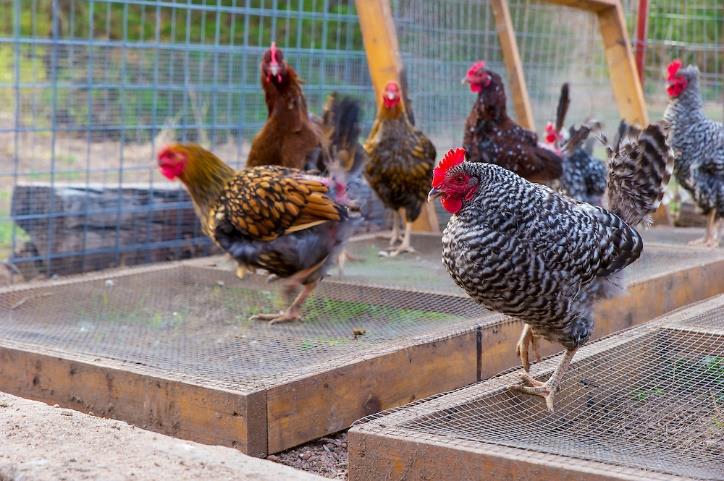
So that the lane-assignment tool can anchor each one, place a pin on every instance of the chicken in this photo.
(400, 164)
(584, 176)
(278, 219)
(524, 250)
(289, 137)
(698, 144)
(492, 137)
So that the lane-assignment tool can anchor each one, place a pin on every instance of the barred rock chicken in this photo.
(526, 251)
(273, 218)
(289, 137)
(584, 176)
(401, 159)
(492, 137)
(698, 144)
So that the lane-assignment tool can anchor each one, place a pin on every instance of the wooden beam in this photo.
(621, 65)
(516, 79)
(384, 62)
(590, 5)
(380, 41)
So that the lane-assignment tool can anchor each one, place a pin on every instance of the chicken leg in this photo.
(547, 390)
(527, 338)
(395, 235)
(711, 238)
(405, 245)
(293, 312)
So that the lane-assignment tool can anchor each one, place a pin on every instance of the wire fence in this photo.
(89, 88)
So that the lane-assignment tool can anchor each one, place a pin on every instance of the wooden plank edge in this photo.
(394, 457)
(332, 400)
(188, 411)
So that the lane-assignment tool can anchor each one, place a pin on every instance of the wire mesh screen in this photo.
(89, 88)
(692, 31)
(650, 398)
(194, 323)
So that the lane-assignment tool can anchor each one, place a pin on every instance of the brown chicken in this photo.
(492, 137)
(284, 221)
(289, 137)
(400, 164)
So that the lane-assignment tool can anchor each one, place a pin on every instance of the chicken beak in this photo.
(465, 80)
(274, 69)
(434, 194)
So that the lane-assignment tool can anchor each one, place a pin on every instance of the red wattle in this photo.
(452, 204)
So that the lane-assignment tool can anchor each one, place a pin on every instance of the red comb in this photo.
(476, 66)
(452, 158)
(274, 52)
(673, 68)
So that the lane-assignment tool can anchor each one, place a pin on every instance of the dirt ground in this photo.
(39, 442)
(326, 456)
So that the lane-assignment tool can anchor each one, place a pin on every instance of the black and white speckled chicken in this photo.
(698, 144)
(584, 176)
(527, 251)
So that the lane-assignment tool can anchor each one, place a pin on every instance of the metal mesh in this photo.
(192, 323)
(90, 88)
(650, 398)
(425, 270)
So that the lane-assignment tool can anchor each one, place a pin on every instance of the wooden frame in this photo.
(386, 449)
(385, 64)
(295, 410)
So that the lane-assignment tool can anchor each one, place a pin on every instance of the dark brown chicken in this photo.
(492, 137)
(400, 164)
(289, 137)
(286, 222)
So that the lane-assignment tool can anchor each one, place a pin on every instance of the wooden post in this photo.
(621, 65)
(516, 79)
(624, 78)
(383, 58)
(380, 41)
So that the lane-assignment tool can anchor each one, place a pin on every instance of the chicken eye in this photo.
(460, 178)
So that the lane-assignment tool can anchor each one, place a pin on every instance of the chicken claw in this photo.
(521, 349)
(547, 390)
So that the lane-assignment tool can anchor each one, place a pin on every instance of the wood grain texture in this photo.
(624, 77)
(513, 64)
(332, 400)
(188, 411)
(374, 457)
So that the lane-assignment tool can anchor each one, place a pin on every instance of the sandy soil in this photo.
(44, 443)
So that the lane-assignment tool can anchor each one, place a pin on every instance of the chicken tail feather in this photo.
(563, 102)
(640, 166)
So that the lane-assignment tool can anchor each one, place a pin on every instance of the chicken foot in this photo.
(711, 238)
(395, 235)
(547, 390)
(405, 245)
(527, 338)
(293, 312)
(342, 259)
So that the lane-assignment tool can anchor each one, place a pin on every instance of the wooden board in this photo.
(374, 457)
(397, 447)
(122, 391)
(331, 401)
(297, 410)
(516, 79)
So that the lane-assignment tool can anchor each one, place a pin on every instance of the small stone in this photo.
(109, 283)
(273, 458)
(56, 405)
